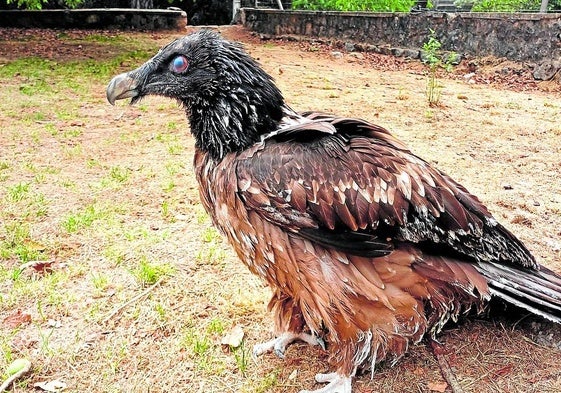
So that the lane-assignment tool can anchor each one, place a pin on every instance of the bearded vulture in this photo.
(367, 248)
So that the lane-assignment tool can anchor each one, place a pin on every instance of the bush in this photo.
(505, 5)
(40, 4)
(354, 5)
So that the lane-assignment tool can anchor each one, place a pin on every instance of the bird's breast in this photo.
(218, 192)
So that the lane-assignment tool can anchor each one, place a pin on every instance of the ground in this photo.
(112, 279)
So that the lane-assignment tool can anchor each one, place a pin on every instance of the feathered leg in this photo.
(289, 325)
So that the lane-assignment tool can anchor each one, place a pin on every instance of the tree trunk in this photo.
(142, 4)
(544, 5)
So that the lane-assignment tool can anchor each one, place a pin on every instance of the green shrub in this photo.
(433, 57)
(502, 5)
(38, 4)
(354, 5)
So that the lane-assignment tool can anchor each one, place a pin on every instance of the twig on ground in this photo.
(445, 368)
(12, 378)
(131, 301)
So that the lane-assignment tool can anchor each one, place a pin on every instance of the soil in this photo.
(496, 131)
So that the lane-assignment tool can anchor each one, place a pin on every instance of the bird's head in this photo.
(229, 99)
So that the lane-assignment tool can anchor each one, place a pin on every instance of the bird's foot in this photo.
(336, 383)
(278, 345)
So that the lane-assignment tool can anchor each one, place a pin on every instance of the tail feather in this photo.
(538, 291)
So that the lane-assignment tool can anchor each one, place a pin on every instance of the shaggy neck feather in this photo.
(235, 120)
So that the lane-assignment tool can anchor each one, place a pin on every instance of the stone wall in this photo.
(287, 4)
(110, 18)
(519, 37)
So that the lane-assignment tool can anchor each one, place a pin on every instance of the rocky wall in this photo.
(519, 37)
(110, 18)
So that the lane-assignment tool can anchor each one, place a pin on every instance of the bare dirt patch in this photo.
(107, 197)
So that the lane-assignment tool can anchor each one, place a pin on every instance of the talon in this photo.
(321, 343)
(279, 349)
(337, 383)
(325, 378)
(278, 345)
(260, 349)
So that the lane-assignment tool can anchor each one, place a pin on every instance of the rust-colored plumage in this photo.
(364, 244)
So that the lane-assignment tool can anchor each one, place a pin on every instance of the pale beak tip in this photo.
(122, 86)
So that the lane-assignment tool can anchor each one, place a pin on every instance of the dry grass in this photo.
(106, 197)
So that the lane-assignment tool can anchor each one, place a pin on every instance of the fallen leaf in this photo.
(505, 370)
(419, 371)
(437, 386)
(53, 386)
(18, 365)
(33, 245)
(234, 337)
(17, 319)
(293, 375)
(43, 266)
(39, 266)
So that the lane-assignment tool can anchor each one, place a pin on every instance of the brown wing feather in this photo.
(362, 179)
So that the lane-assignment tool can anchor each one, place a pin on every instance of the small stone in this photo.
(546, 70)
(410, 53)
(397, 52)
(336, 54)
(385, 50)
(357, 55)
(371, 48)
(507, 186)
(350, 47)
(234, 338)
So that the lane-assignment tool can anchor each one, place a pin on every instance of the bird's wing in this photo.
(350, 185)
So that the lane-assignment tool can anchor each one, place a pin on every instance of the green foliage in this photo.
(354, 5)
(406, 5)
(242, 357)
(148, 273)
(18, 242)
(43, 76)
(82, 219)
(504, 5)
(432, 57)
(28, 4)
(38, 4)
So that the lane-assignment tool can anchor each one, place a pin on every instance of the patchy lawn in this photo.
(112, 278)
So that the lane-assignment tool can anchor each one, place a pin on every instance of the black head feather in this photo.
(230, 100)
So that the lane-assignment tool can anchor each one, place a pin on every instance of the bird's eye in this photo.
(179, 64)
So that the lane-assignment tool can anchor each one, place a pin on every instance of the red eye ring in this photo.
(179, 64)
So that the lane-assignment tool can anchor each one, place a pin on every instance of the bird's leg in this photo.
(445, 368)
(278, 345)
(336, 383)
(289, 321)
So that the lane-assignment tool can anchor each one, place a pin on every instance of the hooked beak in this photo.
(122, 86)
